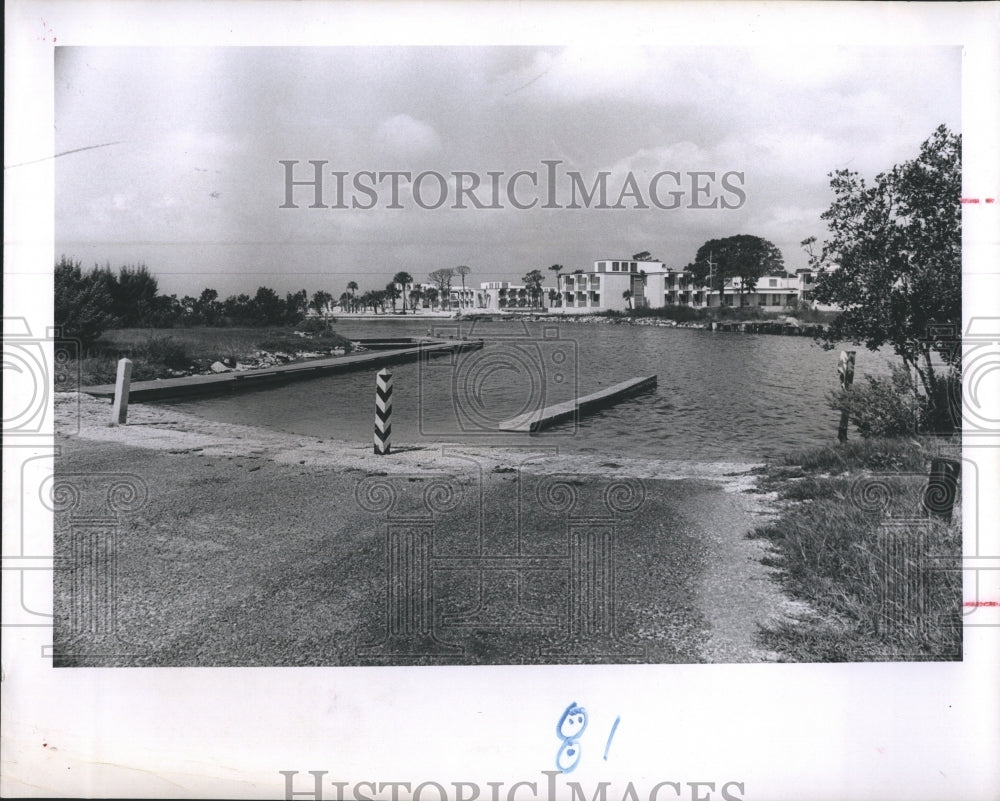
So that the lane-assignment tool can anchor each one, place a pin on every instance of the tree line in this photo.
(89, 302)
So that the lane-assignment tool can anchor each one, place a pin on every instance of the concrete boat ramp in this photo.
(540, 418)
(200, 385)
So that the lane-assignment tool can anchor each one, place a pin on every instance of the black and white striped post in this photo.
(383, 412)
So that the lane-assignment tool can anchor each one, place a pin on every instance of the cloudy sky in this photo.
(187, 177)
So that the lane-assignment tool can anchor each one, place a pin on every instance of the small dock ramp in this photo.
(540, 418)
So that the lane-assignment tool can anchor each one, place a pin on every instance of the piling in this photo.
(119, 410)
(845, 369)
(942, 486)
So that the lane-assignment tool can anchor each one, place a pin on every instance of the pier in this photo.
(236, 381)
(539, 419)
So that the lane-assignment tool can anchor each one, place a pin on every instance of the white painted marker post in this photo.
(383, 412)
(119, 411)
(845, 369)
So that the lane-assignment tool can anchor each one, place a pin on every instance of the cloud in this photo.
(405, 137)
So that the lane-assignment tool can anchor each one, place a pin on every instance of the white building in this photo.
(505, 296)
(623, 284)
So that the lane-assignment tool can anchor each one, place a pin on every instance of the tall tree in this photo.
(462, 271)
(442, 280)
(134, 295)
(403, 280)
(296, 305)
(893, 258)
(82, 303)
(320, 301)
(743, 256)
(533, 281)
(392, 293)
(416, 296)
(207, 307)
(431, 294)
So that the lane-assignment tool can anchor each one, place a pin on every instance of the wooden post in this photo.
(942, 486)
(119, 411)
(383, 412)
(845, 369)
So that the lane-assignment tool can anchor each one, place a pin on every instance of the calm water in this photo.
(737, 397)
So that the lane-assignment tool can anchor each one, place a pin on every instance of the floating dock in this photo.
(539, 419)
(237, 381)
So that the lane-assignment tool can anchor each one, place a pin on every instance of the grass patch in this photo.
(854, 542)
(165, 353)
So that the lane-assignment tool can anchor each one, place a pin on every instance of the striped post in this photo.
(119, 409)
(845, 369)
(383, 412)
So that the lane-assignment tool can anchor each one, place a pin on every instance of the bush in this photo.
(893, 407)
(315, 325)
(82, 302)
(164, 350)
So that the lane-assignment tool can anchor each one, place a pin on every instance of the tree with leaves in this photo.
(442, 281)
(403, 279)
(320, 301)
(627, 295)
(133, 296)
(462, 271)
(431, 294)
(392, 293)
(745, 257)
(644, 255)
(533, 282)
(416, 296)
(82, 303)
(893, 258)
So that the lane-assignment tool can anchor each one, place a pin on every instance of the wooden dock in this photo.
(237, 381)
(539, 419)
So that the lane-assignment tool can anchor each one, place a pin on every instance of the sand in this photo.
(244, 546)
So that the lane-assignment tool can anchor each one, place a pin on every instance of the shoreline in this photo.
(86, 418)
(216, 566)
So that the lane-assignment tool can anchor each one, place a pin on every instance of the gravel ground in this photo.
(242, 546)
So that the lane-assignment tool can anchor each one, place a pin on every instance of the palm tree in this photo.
(416, 295)
(628, 298)
(404, 279)
(392, 293)
(352, 287)
(320, 301)
(533, 282)
(432, 295)
(462, 271)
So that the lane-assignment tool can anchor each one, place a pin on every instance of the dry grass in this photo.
(852, 535)
(164, 352)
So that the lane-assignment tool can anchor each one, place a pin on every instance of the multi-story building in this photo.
(503, 295)
(622, 284)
